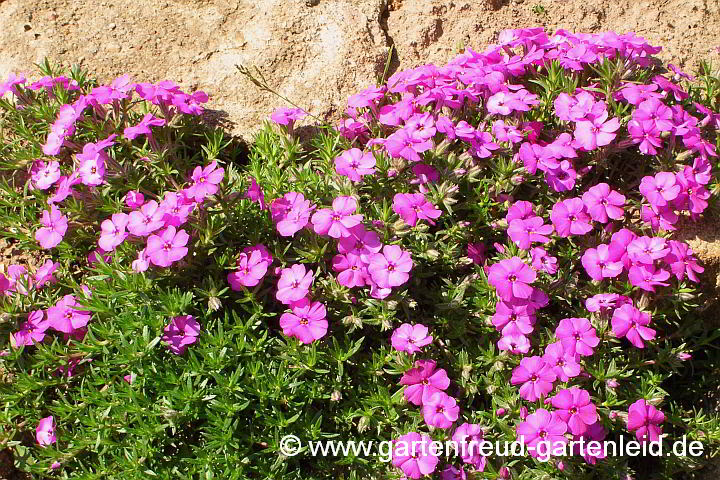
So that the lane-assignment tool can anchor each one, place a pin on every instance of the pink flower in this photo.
(440, 410)
(604, 302)
(353, 271)
(113, 231)
(423, 380)
(180, 333)
(647, 276)
(361, 242)
(647, 249)
(337, 222)
(255, 193)
(542, 427)
(251, 269)
(32, 331)
(514, 318)
(205, 181)
(287, 116)
(44, 175)
(143, 128)
(45, 431)
(597, 132)
(577, 336)
(402, 144)
(569, 218)
(176, 208)
(536, 377)
(603, 204)
(542, 262)
(134, 199)
(645, 420)
(515, 343)
(354, 163)
(294, 284)
(682, 261)
(605, 261)
(412, 453)
(307, 321)
(660, 189)
(524, 232)
(564, 364)
(146, 220)
(64, 317)
(44, 274)
(168, 247)
(410, 338)
(631, 323)
(290, 213)
(55, 225)
(391, 267)
(574, 408)
(512, 278)
(469, 437)
(413, 207)
(142, 263)
(476, 252)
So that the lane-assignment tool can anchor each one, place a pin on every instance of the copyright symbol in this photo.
(290, 445)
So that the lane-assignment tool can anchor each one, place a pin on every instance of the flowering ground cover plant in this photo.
(482, 250)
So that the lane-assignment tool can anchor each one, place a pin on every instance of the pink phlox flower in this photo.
(180, 333)
(563, 363)
(604, 204)
(32, 331)
(413, 207)
(294, 284)
(605, 302)
(423, 380)
(542, 427)
(647, 276)
(412, 453)
(55, 224)
(251, 269)
(598, 132)
(577, 336)
(469, 438)
(410, 338)
(645, 420)
(440, 410)
(660, 189)
(168, 247)
(570, 218)
(307, 321)
(11, 84)
(604, 261)
(520, 210)
(337, 221)
(45, 431)
(255, 193)
(631, 323)
(514, 318)
(44, 274)
(290, 213)
(391, 268)
(146, 220)
(512, 278)
(542, 262)
(287, 116)
(360, 242)
(402, 144)
(142, 263)
(655, 111)
(517, 344)
(352, 270)
(65, 317)
(205, 181)
(143, 128)
(595, 432)
(176, 208)
(646, 134)
(647, 249)
(355, 163)
(113, 231)
(424, 174)
(524, 232)
(44, 175)
(477, 252)
(535, 378)
(682, 261)
(575, 408)
(134, 199)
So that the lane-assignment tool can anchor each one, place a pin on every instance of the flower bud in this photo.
(684, 356)
(523, 413)
(336, 396)
(504, 473)
(500, 412)
(612, 383)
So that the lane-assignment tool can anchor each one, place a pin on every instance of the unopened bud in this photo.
(335, 396)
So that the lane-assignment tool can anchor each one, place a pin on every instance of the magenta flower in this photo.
(512, 278)
(424, 174)
(31, 332)
(402, 144)
(631, 323)
(251, 269)
(307, 321)
(294, 284)
(660, 189)
(451, 472)
(134, 199)
(55, 225)
(647, 277)
(146, 220)
(423, 380)
(44, 274)
(337, 222)
(656, 112)
(604, 302)
(514, 318)
(564, 364)
(113, 231)
(143, 128)
(575, 408)
(205, 181)
(577, 336)
(44, 175)
(647, 249)
(142, 263)
(45, 431)
(597, 132)
(646, 134)
(168, 247)
(180, 333)
(542, 262)
(476, 252)
(542, 427)
(361, 242)
(410, 338)
(177, 208)
(287, 116)
(391, 267)
(469, 437)
(536, 377)
(682, 262)
(645, 420)
(412, 453)
(569, 218)
(355, 163)
(524, 232)
(605, 261)
(255, 193)
(440, 410)
(603, 204)
(290, 213)
(413, 207)
(64, 317)
(515, 343)
(353, 271)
